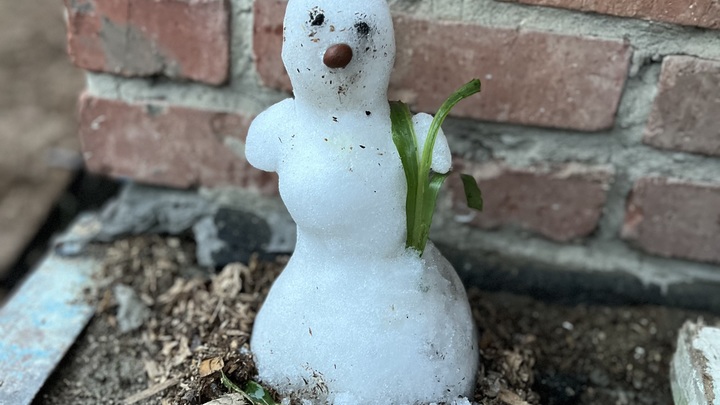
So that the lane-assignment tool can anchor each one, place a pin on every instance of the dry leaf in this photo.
(210, 366)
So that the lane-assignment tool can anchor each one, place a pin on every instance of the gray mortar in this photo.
(517, 145)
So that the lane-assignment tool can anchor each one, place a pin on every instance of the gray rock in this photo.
(271, 210)
(137, 209)
(146, 209)
(230, 235)
(132, 312)
(229, 225)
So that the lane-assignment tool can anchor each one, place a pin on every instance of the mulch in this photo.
(199, 322)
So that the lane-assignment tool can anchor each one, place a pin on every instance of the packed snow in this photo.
(355, 318)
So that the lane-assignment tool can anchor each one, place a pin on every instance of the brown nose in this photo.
(338, 56)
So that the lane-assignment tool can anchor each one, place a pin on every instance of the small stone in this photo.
(230, 236)
(132, 312)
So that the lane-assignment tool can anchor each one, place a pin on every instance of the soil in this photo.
(197, 323)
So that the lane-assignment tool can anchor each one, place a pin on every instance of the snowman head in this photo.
(339, 53)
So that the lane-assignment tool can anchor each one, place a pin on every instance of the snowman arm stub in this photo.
(441, 158)
(264, 140)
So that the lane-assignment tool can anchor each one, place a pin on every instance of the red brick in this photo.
(531, 78)
(686, 112)
(176, 38)
(699, 13)
(562, 203)
(267, 43)
(167, 145)
(675, 218)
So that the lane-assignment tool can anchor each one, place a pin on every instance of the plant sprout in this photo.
(423, 184)
(253, 392)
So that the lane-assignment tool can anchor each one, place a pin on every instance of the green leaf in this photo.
(258, 395)
(253, 392)
(406, 144)
(428, 207)
(473, 195)
(472, 87)
(423, 186)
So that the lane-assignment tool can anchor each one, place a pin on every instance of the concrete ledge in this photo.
(695, 368)
(494, 271)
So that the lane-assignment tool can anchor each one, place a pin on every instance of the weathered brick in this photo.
(562, 203)
(168, 145)
(686, 112)
(674, 218)
(699, 13)
(531, 78)
(176, 38)
(267, 43)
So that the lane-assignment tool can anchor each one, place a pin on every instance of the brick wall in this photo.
(596, 139)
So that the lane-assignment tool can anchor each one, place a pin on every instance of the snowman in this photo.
(355, 317)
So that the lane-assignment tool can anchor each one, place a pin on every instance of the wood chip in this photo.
(511, 398)
(154, 371)
(230, 399)
(155, 389)
(197, 315)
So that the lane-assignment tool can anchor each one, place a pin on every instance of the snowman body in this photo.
(355, 318)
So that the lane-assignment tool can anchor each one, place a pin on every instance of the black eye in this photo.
(362, 28)
(318, 19)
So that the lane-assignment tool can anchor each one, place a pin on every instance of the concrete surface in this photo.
(695, 368)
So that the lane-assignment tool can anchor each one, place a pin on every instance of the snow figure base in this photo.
(355, 318)
(396, 331)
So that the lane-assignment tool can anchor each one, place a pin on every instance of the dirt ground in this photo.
(38, 142)
(532, 352)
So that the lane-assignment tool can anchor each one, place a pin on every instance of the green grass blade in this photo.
(231, 386)
(473, 195)
(406, 144)
(472, 87)
(428, 208)
(422, 185)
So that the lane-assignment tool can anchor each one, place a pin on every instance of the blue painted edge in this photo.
(40, 322)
